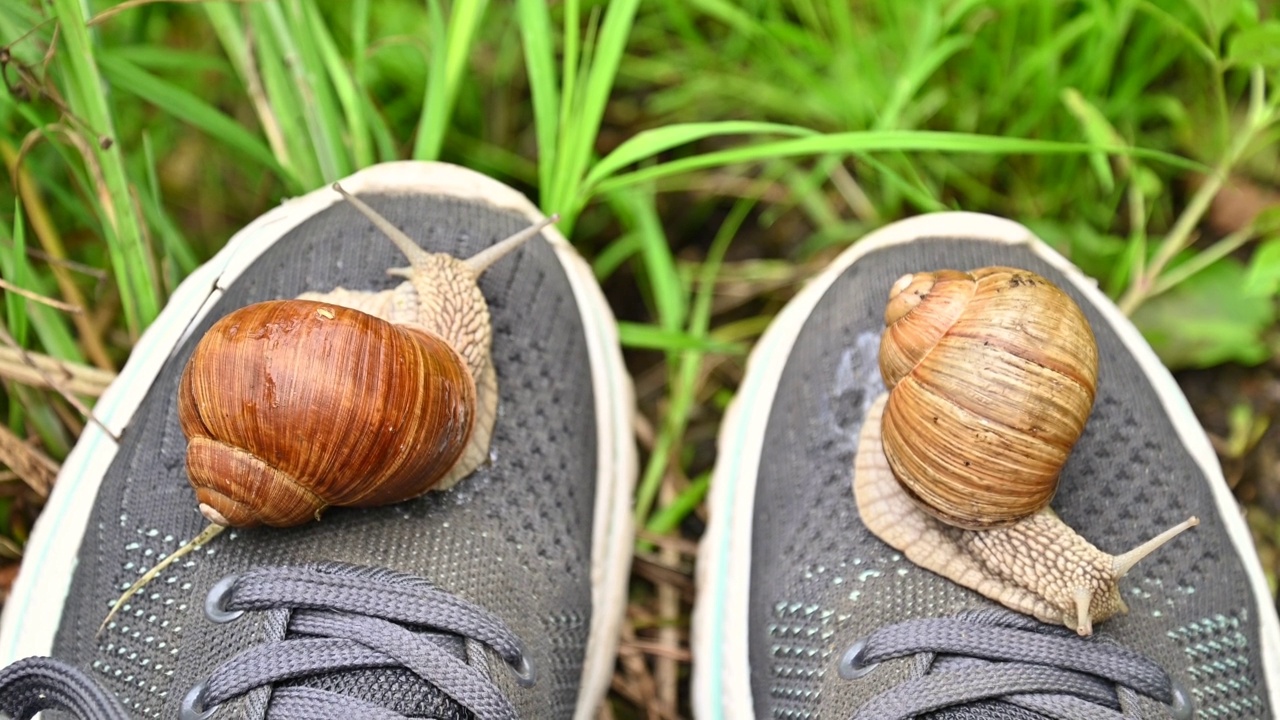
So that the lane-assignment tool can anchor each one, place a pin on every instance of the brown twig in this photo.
(36, 297)
(667, 650)
(57, 385)
(42, 223)
(636, 682)
(32, 466)
(43, 256)
(659, 573)
(248, 70)
(131, 4)
(653, 649)
(79, 379)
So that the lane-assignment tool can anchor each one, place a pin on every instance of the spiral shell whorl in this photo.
(992, 377)
(293, 406)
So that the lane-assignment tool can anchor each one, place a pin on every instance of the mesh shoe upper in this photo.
(819, 580)
(515, 538)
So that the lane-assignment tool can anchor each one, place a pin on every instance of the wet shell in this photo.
(293, 406)
(992, 375)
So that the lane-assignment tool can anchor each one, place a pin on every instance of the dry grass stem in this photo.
(635, 683)
(56, 385)
(262, 106)
(645, 433)
(109, 13)
(42, 223)
(678, 654)
(854, 195)
(37, 370)
(684, 546)
(36, 297)
(666, 668)
(32, 466)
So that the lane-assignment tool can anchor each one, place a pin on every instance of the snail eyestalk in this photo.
(1124, 563)
(492, 254)
(406, 244)
(478, 262)
(199, 541)
(1084, 621)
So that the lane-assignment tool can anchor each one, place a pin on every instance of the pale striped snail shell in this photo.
(992, 375)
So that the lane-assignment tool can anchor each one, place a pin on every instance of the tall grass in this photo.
(691, 148)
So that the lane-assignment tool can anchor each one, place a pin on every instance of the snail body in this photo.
(991, 376)
(344, 398)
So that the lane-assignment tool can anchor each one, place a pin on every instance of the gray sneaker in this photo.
(803, 613)
(502, 597)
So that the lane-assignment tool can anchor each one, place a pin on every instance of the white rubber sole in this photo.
(34, 608)
(721, 672)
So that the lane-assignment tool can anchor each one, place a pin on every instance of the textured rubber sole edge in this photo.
(33, 611)
(721, 672)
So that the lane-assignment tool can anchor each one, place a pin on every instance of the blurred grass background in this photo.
(708, 157)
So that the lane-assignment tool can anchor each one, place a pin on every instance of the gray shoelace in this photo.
(996, 655)
(323, 619)
(40, 683)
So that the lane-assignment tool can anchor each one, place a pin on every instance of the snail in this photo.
(344, 398)
(992, 375)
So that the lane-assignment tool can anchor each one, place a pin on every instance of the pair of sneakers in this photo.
(503, 597)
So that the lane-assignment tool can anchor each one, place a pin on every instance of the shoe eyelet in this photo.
(215, 603)
(853, 662)
(193, 703)
(1182, 707)
(523, 670)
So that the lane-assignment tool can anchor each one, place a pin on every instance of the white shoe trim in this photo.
(721, 672)
(34, 609)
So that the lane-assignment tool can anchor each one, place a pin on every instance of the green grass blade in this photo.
(569, 68)
(450, 51)
(873, 141)
(318, 108)
(344, 86)
(1097, 130)
(650, 143)
(170, 59)
(134, 267)
(920, 199)
(669, 517)
(226, 23)
(638, 212)
(683, 379)
(50, 327)
(582, 132)
(182, 259)
(649, 337)
(909, 83)
(730, 14)
(1179, 28)
(608, 260)
(539, 57)
(25, 317)
(434, 113)
(280, 103)
(17, 273)
(187, 108)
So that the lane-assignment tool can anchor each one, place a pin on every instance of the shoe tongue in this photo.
(398, 689)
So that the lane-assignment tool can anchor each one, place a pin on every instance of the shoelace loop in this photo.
(33, 684)
(323, 619)
(343, 618)
(998, 655)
